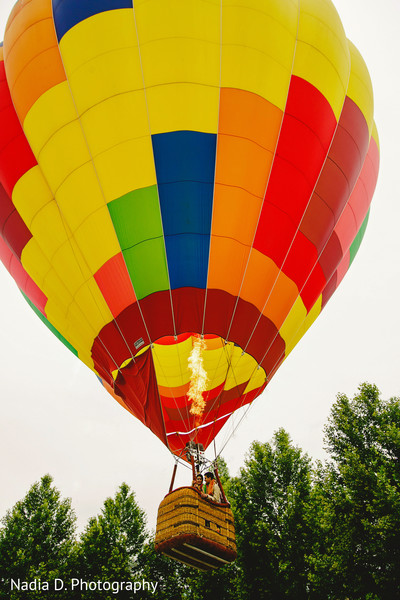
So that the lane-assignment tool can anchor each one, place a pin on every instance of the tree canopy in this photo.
(314, 531)
(357, 499)
(37, 539)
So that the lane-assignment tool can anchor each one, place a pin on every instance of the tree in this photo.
(219, 583)
(271, 501)
(357, 531)
(172, 577)
(223, 471)
(36, 541)
(111, 543)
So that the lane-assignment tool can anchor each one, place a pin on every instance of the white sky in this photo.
(55, 417)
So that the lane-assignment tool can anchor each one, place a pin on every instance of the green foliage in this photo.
(171, 576)
(325, 532)
(357, 524)
(271, 501)
(111, 543)
(223, 471)
(221, 584)
(36, 540)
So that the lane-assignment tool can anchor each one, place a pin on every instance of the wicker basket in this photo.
(197, 532)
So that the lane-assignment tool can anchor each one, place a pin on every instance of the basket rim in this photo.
(190, 487)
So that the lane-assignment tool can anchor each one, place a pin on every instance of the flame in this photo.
(198, 381)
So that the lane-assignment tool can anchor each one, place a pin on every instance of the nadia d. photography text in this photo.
(80, 584)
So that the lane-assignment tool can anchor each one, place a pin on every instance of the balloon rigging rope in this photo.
(195, 432)
(263, 200)
(281, 268)
(162, 224)
(215, 165)
(158, 190)
(277, 361)
(248, 259)
(170, 293)
(268, 179)
(159, 362)
(295, 333)
(218, 398)
(105, 202)
(319, 254)
(231, 421)
(234, 428)
(64, 222)
(293, 239)
(230, 369)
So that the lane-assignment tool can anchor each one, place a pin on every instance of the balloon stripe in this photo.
(292, 180)
(22, 278)
(364, 190)
(294, 329)
(137, 222)
(31, 54)
(335, 189)
(249, 126)
(16, 157)
(185, 172)
(313, 275)
(115, 284)
(360, 86)
(13, 229)
(355, 246)
(86, 293)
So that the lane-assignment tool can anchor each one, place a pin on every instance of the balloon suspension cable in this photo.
(224, 499)
(171, 487)
(235, 427)
(193, 467)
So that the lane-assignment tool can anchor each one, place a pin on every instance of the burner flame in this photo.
(198, 381)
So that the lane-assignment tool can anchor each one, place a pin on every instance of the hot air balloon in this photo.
(183, 186)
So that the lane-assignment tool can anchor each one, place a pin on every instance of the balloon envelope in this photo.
(170, 170)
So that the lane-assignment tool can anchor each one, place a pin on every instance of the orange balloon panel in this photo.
(183, 185)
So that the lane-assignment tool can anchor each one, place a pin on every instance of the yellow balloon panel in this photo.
(115, 120)
(258, 45)
(79, 197)
(191, 107)
(297, 323)
(76, 329)
(360, 86)
(30, 194)
(43, 120)
(322, 57)
(63, 153)
(126, 167)
(117, 72)
(100, 35)
(96, 240)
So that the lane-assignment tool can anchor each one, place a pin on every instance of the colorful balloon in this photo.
(180, 171)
